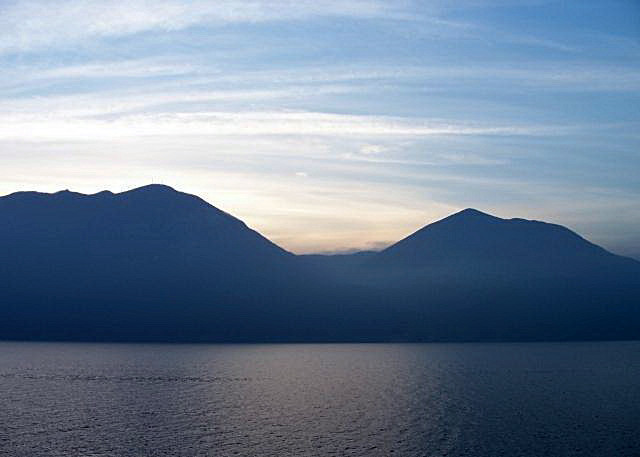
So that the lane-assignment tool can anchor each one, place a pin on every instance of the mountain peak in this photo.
(471, 213)
(154, 212)
(103, 193)
(471, 236)
(153, 188)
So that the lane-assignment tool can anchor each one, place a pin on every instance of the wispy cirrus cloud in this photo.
(27, 25)
(44, 127)
(183, 80)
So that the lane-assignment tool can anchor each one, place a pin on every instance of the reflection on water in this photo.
(334, 399)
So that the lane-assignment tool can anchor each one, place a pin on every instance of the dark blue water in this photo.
(540, 399)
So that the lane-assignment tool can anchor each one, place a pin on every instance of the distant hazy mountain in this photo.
(157, 264)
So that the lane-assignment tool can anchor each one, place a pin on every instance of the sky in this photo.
(333, 125)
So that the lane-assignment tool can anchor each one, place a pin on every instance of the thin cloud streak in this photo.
(24, 27)
(574, 76)
(47, 127)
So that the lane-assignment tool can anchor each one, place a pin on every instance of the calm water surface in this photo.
(539, 399)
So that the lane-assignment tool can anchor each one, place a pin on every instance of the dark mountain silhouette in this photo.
(153, 213)
(472, 242)
(139, 242)
(157, 264)
(493, 278)
(129, 265)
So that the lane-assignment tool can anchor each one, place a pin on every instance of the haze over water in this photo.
(521, 399)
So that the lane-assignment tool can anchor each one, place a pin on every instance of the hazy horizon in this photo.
(330, 126)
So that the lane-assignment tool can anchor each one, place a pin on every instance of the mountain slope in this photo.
(471, 241)
(153, 212)
(147, 235)
(154, 264)
(473, 276)
(77, 265)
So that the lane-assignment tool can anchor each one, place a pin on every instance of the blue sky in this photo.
(330, 125)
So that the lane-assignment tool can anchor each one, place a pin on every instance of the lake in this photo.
(529, 399)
